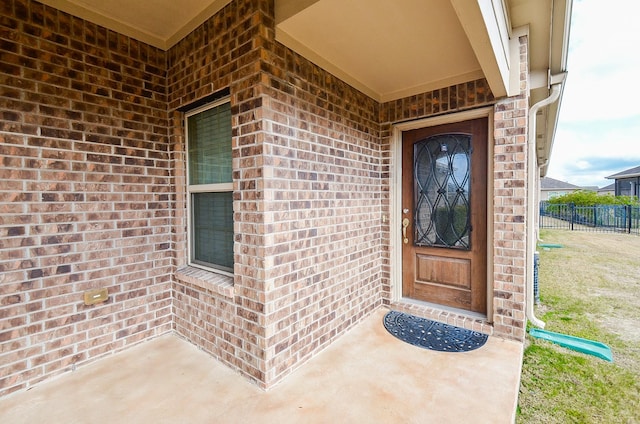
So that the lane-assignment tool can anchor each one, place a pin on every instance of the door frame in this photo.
(395, 188)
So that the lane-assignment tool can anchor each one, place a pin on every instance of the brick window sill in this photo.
(217, 283)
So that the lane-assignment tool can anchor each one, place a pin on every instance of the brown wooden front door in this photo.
(444, 214)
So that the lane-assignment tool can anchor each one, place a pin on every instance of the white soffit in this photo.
(161, 23)
(536, 15)
(387, 49)
(486, 24)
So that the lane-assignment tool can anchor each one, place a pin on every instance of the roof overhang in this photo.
(622, 177)
(387, 49)
(391, 50)
(548, 23)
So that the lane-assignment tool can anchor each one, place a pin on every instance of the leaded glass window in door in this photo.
(442, 169)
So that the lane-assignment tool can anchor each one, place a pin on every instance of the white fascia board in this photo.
(487, 27)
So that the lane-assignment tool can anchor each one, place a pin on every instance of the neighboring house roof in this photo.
(610, 187)
(631, 172)
(590, 188)
(547, 183)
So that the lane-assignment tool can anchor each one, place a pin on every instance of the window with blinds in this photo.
(210, 187)
(209, 141)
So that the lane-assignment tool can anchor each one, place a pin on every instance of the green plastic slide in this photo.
(550, 245)
(589, 347)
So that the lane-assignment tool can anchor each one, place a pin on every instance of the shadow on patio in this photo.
(367, 376)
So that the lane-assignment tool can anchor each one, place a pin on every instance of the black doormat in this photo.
(432, 334)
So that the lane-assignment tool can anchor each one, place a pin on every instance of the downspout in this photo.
(531, 183)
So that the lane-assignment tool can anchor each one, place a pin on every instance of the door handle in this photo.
(405, 224)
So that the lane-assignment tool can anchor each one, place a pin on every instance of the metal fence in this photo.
(603, 218)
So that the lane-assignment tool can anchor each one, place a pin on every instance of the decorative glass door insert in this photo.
(442, 169)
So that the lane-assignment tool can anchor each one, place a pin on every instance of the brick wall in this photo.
(224, 53)
(307, 203)
(322, 209)
(84, 192)
(510, 207)
(93, 194)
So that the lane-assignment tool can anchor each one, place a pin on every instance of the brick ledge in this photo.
(208, 280)
(424, 310)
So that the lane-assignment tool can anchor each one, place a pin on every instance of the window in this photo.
(624, 187)
(209, 187)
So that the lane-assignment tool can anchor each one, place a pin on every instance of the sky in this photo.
(598, 131)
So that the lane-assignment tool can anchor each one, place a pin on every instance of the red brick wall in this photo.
(93, 193)
(307, 205)
(84, 192)
(323, 208)
(224, 53)
(510, 207)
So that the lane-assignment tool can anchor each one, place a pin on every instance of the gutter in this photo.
(532, 172)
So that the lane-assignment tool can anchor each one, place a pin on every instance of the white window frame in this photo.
(201, 188)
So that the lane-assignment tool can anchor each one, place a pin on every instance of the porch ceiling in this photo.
(387, 49)
(160, 23)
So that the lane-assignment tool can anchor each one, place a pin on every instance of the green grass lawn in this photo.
(590, 288)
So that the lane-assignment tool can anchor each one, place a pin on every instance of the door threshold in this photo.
(453, 316)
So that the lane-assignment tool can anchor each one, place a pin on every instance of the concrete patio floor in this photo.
(366, 376)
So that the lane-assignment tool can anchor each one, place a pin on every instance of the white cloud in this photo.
(583, 164)
(600, 96)
(599, 123)
(586, 155)
(603, 61)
